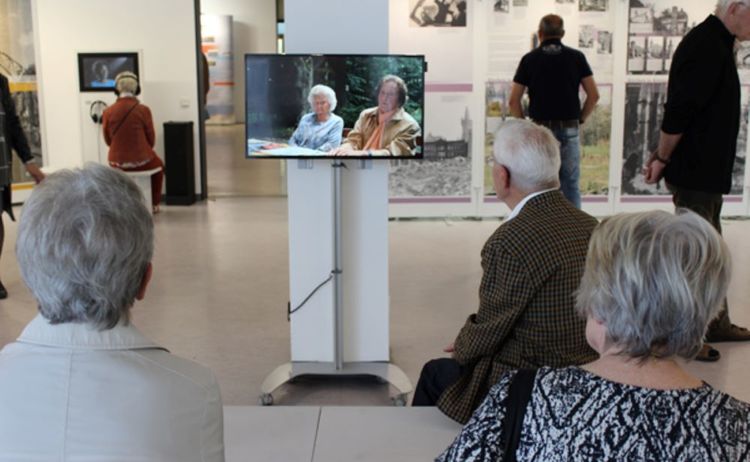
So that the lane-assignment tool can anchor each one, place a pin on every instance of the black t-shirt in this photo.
(703, 103)
(553, 74)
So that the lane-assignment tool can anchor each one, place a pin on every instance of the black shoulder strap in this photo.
(114, 132)
(519, 395)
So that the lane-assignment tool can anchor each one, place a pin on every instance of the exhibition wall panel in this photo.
(163, 33)
(473, 48)
(253, 31)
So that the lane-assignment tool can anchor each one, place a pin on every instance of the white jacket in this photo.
(72, 393)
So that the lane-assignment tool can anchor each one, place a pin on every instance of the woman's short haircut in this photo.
(322, 90)
(84, 243)
(655, 280)
(530, 152)
(403, 91)
(126, 82)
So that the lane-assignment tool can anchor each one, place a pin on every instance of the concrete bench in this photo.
(143, 180)
(329, 433)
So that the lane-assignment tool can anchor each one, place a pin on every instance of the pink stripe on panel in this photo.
(429, 200)
(448, 87)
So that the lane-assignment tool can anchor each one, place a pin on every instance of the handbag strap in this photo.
(519, 395)
(114, 132)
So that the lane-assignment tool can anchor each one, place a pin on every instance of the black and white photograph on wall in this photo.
(604, 42)
(670, 45)
(655, 54)
(521, 3)
(593, 5)
(445, 169)
(742, 54)
(637, 54)
(565, 2)
(437, 13)
(644, 111)
(18, 65)
(663, 18)
(586, 36)
(501, 6)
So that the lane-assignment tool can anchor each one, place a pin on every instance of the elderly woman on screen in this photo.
(81, 382)
(321, 129)
(651, 284)
(386, 129)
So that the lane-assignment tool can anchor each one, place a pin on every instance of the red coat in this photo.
(129, 133)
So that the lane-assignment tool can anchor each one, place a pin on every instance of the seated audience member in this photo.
(81, 382)
(652, 283)
(320, 129)
(128, 130)
(532, 266)
(384, 130)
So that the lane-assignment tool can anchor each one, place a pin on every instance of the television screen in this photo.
(331, 106)
(97, 71)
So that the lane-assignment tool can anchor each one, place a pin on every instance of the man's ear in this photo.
(504, 176)
(144, 282)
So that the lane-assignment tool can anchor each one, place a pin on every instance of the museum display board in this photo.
(473, 48)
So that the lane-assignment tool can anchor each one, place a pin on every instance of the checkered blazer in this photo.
(526, 319)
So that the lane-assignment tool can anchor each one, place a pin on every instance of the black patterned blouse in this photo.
(577, 416)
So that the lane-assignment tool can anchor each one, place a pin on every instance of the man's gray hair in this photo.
(322, 90)
(84, 243)
(723, 5)
(530, 152)
(126, 82)
(655, 280)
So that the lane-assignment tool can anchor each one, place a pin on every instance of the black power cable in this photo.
(290, 311)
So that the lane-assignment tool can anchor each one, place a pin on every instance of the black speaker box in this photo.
(179, 161)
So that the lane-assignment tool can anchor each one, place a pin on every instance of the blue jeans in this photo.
(570, 163)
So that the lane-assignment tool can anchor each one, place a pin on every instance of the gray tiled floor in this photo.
(220, 287)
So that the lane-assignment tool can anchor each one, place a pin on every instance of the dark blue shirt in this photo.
(553, 74)
(703, 103)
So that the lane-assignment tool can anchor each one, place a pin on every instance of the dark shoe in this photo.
(708, 354)
(733, 333)
(3, 292)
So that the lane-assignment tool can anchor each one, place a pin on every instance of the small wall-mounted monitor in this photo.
(97, 71)
(315, 106)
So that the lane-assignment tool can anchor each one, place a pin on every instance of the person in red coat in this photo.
(129, 133)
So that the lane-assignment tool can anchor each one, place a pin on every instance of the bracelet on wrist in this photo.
(661, 159)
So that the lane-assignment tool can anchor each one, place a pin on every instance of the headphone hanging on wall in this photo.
(128, 75)
(96, 110)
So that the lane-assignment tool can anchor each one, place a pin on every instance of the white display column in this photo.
(348, 336)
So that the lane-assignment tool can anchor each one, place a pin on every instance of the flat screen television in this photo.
(97, 71)
(378, 113)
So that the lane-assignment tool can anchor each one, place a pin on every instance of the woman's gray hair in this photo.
(723, 5)
(530, 152)
(655, 280)
(322, 90)
(126, 82)
(85, 241)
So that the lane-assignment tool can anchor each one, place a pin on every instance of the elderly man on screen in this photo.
(384, 130)
(532, 265)
(81, 382)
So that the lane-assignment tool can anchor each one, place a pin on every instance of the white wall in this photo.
(162, 31)
(253, 31)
